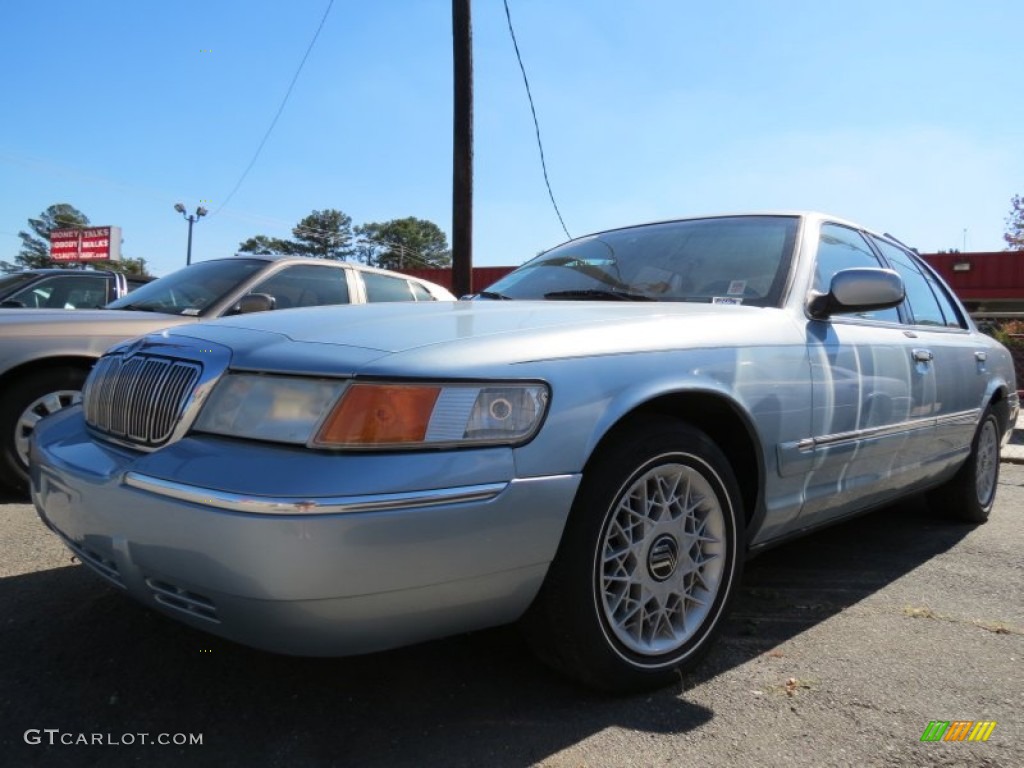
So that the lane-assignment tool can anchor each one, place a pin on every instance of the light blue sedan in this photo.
(592, 446)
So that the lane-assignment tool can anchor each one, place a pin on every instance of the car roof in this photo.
(275, 257)
(441, 291)
(46, 271)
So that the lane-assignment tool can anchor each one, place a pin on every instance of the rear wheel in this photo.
(648, 562)
(25, 403)
(970, 494)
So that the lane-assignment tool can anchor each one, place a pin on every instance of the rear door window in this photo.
(421, 293)
(386, 288)
(926, 302)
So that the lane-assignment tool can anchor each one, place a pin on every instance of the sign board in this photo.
(64, 244)
(88, 244)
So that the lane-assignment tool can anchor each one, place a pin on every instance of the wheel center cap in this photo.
(663, 557)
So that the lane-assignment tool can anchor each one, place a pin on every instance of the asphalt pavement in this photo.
(841, 650)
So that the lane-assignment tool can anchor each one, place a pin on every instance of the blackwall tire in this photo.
(649, 561)
(971, 493)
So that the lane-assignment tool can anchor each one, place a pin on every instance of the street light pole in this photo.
(200, 212)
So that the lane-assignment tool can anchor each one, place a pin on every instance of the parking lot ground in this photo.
(841, 649)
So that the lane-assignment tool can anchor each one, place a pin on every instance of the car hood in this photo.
(84, 322)
(421, 338)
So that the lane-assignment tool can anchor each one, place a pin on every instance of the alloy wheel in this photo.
(661, 559)
(48, 404)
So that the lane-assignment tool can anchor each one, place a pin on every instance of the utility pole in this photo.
(462, 149)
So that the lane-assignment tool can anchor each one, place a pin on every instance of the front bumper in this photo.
(335, 573)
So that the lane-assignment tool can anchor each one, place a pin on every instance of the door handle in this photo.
(923, 356)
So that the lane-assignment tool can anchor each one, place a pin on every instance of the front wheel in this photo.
(24, 403)
(971, 493)
(649, 560)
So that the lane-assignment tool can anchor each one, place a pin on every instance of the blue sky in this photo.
(904, 115)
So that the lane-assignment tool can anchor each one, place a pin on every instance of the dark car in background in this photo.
(65, 288)
(45, 354)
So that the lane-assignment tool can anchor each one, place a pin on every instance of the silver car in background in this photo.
(45, 354)
(591, 447)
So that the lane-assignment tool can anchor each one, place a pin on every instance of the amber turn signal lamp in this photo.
(380, 414)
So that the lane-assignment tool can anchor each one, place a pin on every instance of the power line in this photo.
(280, 109)
(536, 125)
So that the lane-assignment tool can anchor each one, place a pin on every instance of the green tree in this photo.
(262, 245)
(325, 234)
(35, 249)
(1014, 236)
(404, 243)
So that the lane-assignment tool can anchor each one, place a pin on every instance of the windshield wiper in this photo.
(139, 308)
(599, 294)
(492, 295)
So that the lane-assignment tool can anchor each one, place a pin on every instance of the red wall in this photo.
(992, 275)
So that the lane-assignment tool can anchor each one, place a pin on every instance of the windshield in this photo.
(728, 260)
(190, 291)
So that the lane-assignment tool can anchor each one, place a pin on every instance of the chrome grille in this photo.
(138, 399)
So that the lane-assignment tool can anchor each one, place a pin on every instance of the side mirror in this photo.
(254, 302)
(12, 304)
(860, 289)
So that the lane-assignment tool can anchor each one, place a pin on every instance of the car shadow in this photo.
(7, 496)
(793, 587)
(80, 657)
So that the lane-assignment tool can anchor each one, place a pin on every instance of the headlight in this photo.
(338, 414)
(282, 408)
